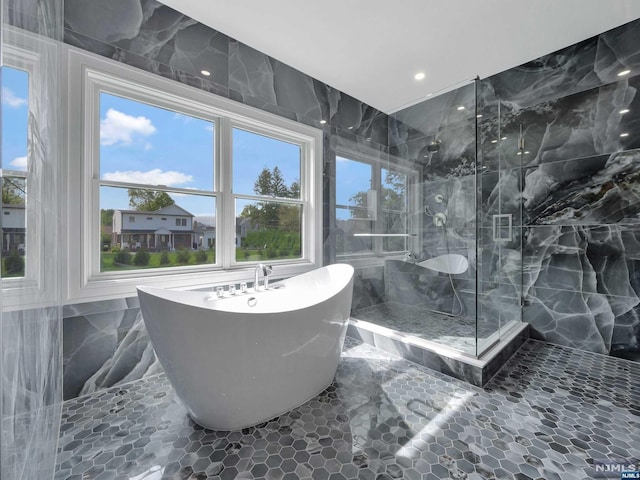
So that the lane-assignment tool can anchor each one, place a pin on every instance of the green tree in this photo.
(148, 200)
(106, 216)
(273, 215)
(393, 195)
(13, 191)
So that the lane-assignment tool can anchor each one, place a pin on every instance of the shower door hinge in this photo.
(521, 143)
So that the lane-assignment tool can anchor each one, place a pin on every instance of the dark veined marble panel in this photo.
(580, 285)
(602, 189)
(446, 111)
(588, 64)
(448, 152)
(105, 349)
(592, 122)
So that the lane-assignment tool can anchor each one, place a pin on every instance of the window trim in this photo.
(19, 58)
(378, 255)
(87, 73)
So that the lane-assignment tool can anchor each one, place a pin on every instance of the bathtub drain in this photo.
(251, 301)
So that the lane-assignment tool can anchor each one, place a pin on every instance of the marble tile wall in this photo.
(572, 190)
(105, 343)
(568, 115)
(31, 328)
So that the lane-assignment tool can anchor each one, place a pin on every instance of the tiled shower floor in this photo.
(454, 332)
(550, 413)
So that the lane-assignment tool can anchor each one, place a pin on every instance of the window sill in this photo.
(102, 288)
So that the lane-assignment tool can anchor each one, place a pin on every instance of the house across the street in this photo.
(169, 228)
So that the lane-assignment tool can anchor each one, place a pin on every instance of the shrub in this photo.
(141, 258)
(122, 257)
(164, 258)
(271, 253)
(183, 256)
(246, 254)
(201, 256)
(14, 264)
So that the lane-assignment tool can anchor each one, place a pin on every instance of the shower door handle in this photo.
(503, 227)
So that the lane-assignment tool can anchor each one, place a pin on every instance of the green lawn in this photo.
(243, 255)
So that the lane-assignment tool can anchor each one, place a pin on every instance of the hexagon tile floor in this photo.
(551, 413)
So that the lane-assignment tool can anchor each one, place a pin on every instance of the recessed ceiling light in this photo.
(527, 152)
(624, 134)
(503, 138)
(461, 107)
(626, 110)
(494, 141)
(429, 94)
(206, 73)
(479, 115)
(519, 153)
(419, 76)
(624, 72)
(350, 127)
(323, 122)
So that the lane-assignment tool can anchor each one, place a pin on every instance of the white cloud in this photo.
(19, 162)
(11, 99)
(152, 177)
(118, 127)
(209, 127)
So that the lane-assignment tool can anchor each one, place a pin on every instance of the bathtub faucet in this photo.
(410, 257)
(266, 271)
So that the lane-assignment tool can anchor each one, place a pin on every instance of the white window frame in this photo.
(90, 75)
(377, 256)
(14, 289)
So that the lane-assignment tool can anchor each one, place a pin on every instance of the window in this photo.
(15, 111)
(140, 170)
(372, 207)
(239, 186)
(266, 187)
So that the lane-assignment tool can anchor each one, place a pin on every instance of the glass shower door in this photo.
(499, 247)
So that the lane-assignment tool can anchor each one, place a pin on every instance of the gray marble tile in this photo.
(546, 414)
(88, 308)
(593, 190)
(31, 391)
(588, 64)
(105, 349)
(584, 124)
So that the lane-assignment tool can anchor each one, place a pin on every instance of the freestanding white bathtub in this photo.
(241, 360)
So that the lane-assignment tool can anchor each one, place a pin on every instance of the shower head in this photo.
(434, 146)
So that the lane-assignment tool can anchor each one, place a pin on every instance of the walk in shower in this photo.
(435, 227)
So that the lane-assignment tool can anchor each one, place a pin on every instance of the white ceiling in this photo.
(371, 49)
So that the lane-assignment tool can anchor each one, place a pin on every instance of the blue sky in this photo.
(145, 144)
(351, 177)
(15, 109)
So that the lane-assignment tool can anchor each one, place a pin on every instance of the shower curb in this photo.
(476, 371)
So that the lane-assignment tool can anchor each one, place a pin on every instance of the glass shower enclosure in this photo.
(453, 277)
